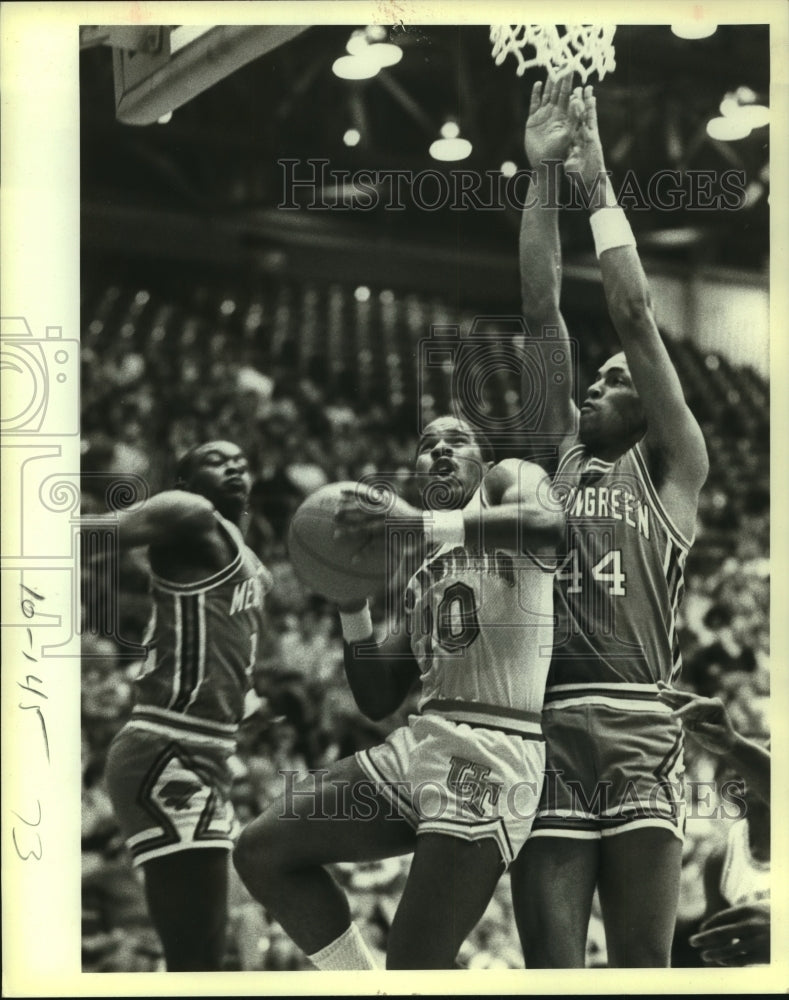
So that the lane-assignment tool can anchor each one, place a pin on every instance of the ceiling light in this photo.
(508, 168)
(368, 45)
(386, 54)
(352, 137)
(755, 115)
(739, 108)
(694, 29)
(729, 105)
(745, 95)
(450, 149)
(728, 128)
(357, 43)
(355, 68)
(677, 237)
(450, 130)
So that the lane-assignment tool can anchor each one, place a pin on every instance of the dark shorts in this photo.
(169, 794)
(609, 771)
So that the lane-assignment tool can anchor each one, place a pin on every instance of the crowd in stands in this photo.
(159, 377)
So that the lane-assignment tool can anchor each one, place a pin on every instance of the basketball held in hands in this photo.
(335, 567)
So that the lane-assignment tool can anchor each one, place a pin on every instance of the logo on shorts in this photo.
(469, 781)
(178, 794)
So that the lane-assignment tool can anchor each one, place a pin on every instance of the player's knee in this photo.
(258, 856)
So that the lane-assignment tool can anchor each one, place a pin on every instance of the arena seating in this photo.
(319, 383)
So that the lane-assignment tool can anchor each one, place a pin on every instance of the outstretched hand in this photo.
(737, 936)
(550, 125)
(706, 719)
(585, 161)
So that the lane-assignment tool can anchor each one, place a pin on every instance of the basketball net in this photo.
(583, 48)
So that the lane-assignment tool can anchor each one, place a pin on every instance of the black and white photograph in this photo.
(388, 465)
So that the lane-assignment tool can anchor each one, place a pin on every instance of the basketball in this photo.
(322, 563)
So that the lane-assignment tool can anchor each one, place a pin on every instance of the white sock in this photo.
(348, 952)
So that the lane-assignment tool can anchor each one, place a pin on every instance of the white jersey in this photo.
(481, 626)
(743, 879)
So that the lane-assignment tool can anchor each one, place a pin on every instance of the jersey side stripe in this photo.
(177, 656)
(201, 630)
(667, 556)
(189, 649)
(657, 503)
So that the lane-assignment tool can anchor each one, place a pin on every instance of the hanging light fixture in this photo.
(450, 146)
(727, 128)
(355, 68)
(740, 114)
(693, 30)
(368, 52)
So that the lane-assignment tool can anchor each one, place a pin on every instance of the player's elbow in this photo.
(374, 710)
(373, 703)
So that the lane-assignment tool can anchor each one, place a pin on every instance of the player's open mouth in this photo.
(443, 467)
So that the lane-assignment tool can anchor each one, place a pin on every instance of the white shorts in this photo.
(460, 780)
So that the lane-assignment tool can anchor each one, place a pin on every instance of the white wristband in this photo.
(444, 527)
(357, 625)
(611, 229)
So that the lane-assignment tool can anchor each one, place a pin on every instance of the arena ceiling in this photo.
(218, 156)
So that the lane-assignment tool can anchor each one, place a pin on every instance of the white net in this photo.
(583, 48)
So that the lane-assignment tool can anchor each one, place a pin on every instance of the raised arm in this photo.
(674, 443)
(165, 518)
(547, 141)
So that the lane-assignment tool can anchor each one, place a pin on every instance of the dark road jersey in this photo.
(619, 587)
(203, 641)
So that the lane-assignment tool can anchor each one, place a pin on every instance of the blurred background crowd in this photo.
(319, 383)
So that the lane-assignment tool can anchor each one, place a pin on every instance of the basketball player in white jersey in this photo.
(633, 461)
(459, 784)
(167, 769)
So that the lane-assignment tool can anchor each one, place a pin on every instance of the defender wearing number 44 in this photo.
(631, 464)
(459, 784)
(167, 769)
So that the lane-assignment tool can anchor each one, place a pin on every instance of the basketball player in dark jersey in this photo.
(631, 464)
(167, 769)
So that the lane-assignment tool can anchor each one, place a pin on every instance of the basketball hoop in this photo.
(582, 48)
